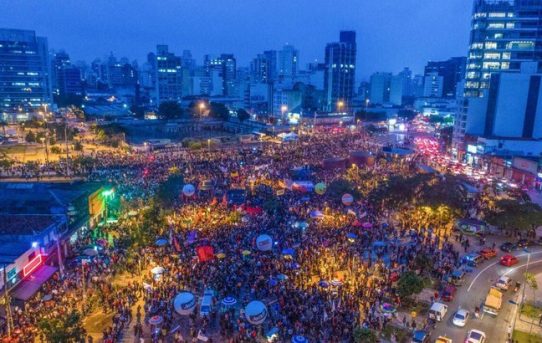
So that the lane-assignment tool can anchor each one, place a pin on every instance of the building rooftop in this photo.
(30, 208)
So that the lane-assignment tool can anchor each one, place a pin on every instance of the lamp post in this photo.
(340, 105)
(201, 107)
(283, 109)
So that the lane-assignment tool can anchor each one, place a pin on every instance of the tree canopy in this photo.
(170, 110)
(219, 111)
(66, 329)
(242, 114)
(409, 284)
(169, 191)
(513, 214)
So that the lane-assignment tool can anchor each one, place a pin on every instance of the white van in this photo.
(504, 283)
(438, 311)
(206, 305)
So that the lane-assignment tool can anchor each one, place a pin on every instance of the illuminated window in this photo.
(505, 65)
(491, 65)
(497, 15)
(472, 75)
(491, 45)
(510, 25)
(492, 56)
(520, 45)
(496, 26)
(477, 46)
(498, 36)
(506, 55)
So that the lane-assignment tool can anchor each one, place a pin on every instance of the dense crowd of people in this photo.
(331, 269)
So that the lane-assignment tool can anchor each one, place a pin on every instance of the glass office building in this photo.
(25, 84)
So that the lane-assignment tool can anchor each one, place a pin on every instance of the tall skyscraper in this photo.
(504, 34)
(288, 61)
(433, 85)
(452, 72)
(221, 75)
(25, 86)
(340, 76)
(264, 67)
(379, 92)
(400, 87)
(167, 68)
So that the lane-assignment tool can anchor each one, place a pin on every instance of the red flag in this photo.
(205, 253)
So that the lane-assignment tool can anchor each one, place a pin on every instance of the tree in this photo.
(64, 329)
(338, 188)
(170, 110)
(511, 213)
(409, 284)
(169, 191)
(3, 123)
(77, 112)
(30, 137)
(77, 146)
(365, 335)
(219, 111)
(242, 114)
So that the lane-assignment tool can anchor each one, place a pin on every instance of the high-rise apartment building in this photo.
(167, 68)
(25, 87)
(451, 71)
(221, 75)
(504, 34)
(379, 92)
(340, 76)
(400, 87)
(287, 62)
(264, 67)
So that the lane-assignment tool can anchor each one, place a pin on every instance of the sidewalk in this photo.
(525, 323)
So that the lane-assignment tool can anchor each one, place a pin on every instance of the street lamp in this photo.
(340, 105)
(201, 109)
(283, 109)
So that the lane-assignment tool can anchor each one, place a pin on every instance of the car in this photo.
(475, 336)
(460, 318)
(448, 293)
(488, 253)
(509, 260)
(508, 247)
(504, 283)
(524, 243)
(442, 339)
(420, 336)
(473, 259)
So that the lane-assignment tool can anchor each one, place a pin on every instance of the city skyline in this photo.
(380, 48)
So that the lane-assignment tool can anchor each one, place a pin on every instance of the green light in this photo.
(108, 193)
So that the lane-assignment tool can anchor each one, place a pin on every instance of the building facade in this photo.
(340, 75)
(25, 82)
(167, 68)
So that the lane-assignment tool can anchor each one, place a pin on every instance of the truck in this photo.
(493, 302)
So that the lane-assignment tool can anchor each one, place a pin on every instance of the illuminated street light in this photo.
(201, 108)
(340, 105)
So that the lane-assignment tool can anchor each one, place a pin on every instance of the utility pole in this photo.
(67, 151)
(7, 301)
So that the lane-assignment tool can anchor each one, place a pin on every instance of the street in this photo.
(474, 291)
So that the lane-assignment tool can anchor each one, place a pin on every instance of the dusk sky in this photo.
(392, 34)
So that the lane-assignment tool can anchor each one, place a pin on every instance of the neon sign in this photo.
(32, 265)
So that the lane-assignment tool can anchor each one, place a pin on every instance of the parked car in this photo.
(442, 339)
(509, 260)
(460, 318)
(524, 243)
(488, 253)
(475, 336)
(473, 259)
(508, 247)
(448, 293)
(438, 311)
(504, 283)
(457, 277)
(420, 336)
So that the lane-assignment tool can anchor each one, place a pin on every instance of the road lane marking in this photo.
(494, 263)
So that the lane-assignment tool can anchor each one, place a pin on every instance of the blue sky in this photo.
(392, 34)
